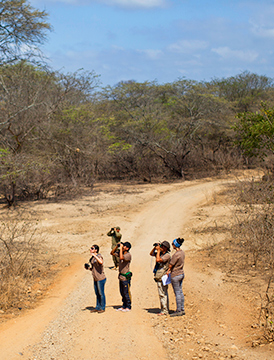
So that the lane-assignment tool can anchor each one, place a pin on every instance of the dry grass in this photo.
(242, 244)
(23, 262)
(254, 234)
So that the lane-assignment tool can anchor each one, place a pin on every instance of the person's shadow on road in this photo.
(153, 310)
(88, 308)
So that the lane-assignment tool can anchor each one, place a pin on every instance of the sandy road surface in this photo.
(62, 326)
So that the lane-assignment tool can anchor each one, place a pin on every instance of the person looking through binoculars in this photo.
(124, 274)
(161, 253)
(116, 237)
(96, 266)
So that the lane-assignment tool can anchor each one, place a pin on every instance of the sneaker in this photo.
(162, 313)
(177, 313)
(120, 309)
(126, 310)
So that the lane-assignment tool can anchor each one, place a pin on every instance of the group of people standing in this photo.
(121, 259)
(171, 267)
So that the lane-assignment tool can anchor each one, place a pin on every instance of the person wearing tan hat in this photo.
(116, 237)
(161, 253)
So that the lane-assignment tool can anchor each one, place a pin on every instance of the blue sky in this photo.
(163, 40)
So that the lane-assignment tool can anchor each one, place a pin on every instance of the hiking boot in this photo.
(101, 311)
(178, 313)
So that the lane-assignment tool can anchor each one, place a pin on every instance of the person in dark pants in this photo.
(116, 237)
(96, 266)
(124, 274)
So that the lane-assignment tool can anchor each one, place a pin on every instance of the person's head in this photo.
(126, 246)
(118, 228)
(176, 243)
(165, 246)
(94, 249)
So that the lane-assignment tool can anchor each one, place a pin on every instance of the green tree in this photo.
(244, 91)
(162, 122)
(255, 132)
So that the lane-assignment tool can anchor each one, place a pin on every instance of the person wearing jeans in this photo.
(176, 270)
(97, 268)
(177, 282)
(99, 288)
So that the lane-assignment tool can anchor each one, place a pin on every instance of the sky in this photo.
(160, 40)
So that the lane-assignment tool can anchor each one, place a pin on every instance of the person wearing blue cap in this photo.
(176, 270)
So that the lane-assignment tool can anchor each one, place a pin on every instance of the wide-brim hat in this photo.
(166, 244)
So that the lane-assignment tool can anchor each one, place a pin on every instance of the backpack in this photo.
(160, 272)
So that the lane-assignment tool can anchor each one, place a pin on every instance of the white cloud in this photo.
(244, 55)
(147, 4)
(151, 54)
(118, 48)
(262, 31)
(127, 4)
(188, 46)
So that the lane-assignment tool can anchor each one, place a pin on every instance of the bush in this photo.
(22, 260)
(253, 236)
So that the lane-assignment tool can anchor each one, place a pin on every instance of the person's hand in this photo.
(92, 251)
(158, 247)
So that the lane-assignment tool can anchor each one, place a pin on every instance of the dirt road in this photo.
(62, 327)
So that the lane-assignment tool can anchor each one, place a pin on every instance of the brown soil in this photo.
(221, 310)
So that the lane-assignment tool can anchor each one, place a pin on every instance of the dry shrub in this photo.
(23, 260)
(253, 236)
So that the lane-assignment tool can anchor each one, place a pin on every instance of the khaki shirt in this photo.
(161, 267)
(115, 237)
